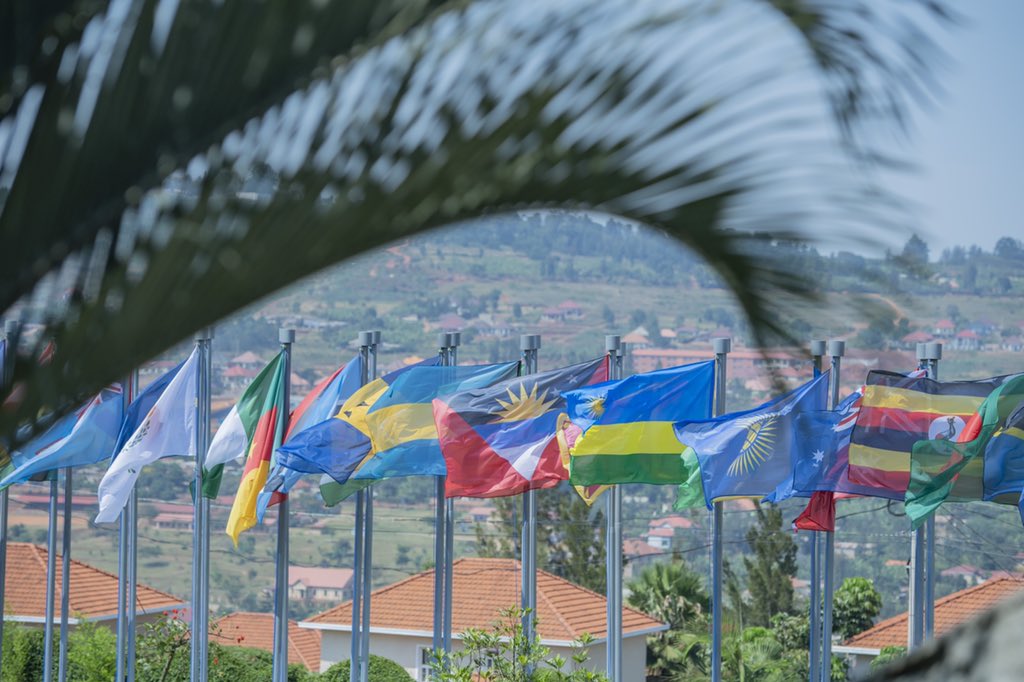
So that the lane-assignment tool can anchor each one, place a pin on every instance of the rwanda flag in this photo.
(502, 440)
(628, 434)
(954, 470)
(896, 412)
(753, 453)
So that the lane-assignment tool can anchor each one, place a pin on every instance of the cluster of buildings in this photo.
(981, 335)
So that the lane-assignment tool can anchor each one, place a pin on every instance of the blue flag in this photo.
(753, 453)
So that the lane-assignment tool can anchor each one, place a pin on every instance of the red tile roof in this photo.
(256, 630)
(633, 548)
(482, 587)
(93, 593)
(311, 576)
(950, 611)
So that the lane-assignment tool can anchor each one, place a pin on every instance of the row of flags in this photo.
(492, 432)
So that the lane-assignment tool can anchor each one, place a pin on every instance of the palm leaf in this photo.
(668, 114)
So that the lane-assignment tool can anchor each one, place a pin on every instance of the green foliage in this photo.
(22, 653)
(506, 654)
(91, 653)
(887, 655)
(855, 605)
(381, 670)
(770, 572)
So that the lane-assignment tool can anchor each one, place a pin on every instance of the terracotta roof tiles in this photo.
(256, 630)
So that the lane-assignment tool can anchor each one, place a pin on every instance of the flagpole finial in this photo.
(376, 337)
(934, 351)
(442, 339)
(922, 351)
(286, 335)
(204, 334)
(722, 344)
(837, 348)
(612, 342)
(11, 327)
(365, 338)
(529, 342)
(818, 347)
(454, 339)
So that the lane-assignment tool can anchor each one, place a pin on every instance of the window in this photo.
(424, 658)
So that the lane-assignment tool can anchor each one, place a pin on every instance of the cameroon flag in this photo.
(897, 411)
(253, 428)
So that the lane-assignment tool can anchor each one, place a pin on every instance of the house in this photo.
(247, 360)
(638, 339)
(319, 584)
(911, 340)
(944, 329)
(950, 611)
(172, 521)
(661, 532)
(256, 630)
(41, 502)
(968, 339)
(637, 555)
(571, 310)
(402, 617)
(92, 596)
(971, 575)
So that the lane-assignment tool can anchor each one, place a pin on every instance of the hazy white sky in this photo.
(970, 185)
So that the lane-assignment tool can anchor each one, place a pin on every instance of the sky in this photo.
(969, 185)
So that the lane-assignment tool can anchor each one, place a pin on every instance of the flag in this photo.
(168, 429)
(568, 434)
(338, 445)
(502, 440)
(944, 469)
(321, 403)
(627, 425)
(260, 415)
(752, 453)
(251, 426)
(86, 436)
(896, 412)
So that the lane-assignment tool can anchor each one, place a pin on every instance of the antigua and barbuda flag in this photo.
(502, 440)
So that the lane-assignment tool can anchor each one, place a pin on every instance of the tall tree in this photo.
(855, 605)
(771, 570)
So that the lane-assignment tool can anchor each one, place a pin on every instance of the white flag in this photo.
(169, 429)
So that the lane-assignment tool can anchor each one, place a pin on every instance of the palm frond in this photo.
(669, 114)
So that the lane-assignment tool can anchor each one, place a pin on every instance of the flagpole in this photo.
(199, 509)
(51, 575)
(613, 542)
(122, 563)
(454, 340)
(358, 526)
(133, 579)
(915, 596)
(836, 349)
(65, 578)
(280, 654)
(203, 433)
(439, 528)
(529, 344)
(814, 646)
(364, 642)
(722, 346)
(934, 355)
(6, 375)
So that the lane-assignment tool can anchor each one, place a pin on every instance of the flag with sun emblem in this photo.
(627, 425)
(751, 454)
(502, 440)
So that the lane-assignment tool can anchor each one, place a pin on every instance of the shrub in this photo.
(381, 670)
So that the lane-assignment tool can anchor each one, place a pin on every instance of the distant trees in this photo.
(915, 251)
(855, 606)
(771, 570)
(1011, 248)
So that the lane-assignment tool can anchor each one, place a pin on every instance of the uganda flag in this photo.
(254, 427)
(896, 412)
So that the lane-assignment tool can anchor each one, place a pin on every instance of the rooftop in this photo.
(950, 611)
(312, 576)
(481, 588)
(93, 593)
(256, 630)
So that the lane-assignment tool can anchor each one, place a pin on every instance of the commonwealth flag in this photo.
(957, 469)
(502, 440)
(627, 425)
(899, 410)
(749, 454)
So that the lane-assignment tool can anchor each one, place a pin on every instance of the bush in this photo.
(887, 655)
(22, 653)
(381, 670)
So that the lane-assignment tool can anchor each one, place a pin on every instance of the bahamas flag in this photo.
(627, 426)
(338, 445)
(896, 412)
(320, 404)
(503, 440)
(748, 454)
(957, 470)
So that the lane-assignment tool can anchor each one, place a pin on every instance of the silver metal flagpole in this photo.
(915, 596)
(934, 355)
(280, 655)
(454, 340)
(722, 346)
(358, 528)
(65, 579)
(529, 344)
(122, 563)
(203, 431)
(51, 576)
(814, 646)
(6, 374)
(836, 349)
(199, 510)
(439, 528)
(133, 579)
(364, 642)
(613, 542)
